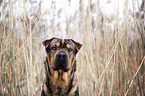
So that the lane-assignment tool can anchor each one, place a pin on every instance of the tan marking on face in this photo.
(62, 42)
(57, 44)
(68, 46)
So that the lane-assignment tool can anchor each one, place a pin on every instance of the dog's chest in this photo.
(60, 91)
(60, 83)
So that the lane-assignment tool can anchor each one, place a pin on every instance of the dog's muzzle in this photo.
(61, 61)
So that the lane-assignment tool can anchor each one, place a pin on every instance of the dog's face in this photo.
(61, 53)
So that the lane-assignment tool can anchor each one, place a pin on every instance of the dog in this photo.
(60, 67)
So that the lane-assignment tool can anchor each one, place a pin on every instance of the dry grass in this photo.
(110, 63)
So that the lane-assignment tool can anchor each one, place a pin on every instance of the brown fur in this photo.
(60, 67)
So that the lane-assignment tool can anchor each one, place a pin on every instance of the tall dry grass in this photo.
(110, 63)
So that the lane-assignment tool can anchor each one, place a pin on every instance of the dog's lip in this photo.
(56, 69)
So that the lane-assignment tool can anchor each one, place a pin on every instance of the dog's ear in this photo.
(47, 42)
(77, 44)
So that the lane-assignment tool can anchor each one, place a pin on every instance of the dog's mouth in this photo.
(61, 67)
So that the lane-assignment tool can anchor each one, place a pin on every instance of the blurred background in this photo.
(112, 32)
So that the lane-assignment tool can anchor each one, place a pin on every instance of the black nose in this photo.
(61, 55)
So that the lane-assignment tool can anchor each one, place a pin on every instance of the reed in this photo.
(110, 63)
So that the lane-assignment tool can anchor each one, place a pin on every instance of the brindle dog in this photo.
(60, 67)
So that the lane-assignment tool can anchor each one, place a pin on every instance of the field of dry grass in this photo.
(110, 63)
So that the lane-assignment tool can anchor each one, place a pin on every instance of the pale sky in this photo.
(68, 9)
(107, 6)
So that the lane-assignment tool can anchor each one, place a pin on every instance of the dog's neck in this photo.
(60, 78)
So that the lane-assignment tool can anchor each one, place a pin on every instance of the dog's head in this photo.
(61, 53)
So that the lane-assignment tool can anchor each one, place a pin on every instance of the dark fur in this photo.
(60, 81)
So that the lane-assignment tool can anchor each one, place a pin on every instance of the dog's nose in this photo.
(61, 55)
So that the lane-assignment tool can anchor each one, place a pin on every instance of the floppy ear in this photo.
(77, 44)
(47, 42)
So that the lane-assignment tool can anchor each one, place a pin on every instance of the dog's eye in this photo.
(54, 48)
(70, 49)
